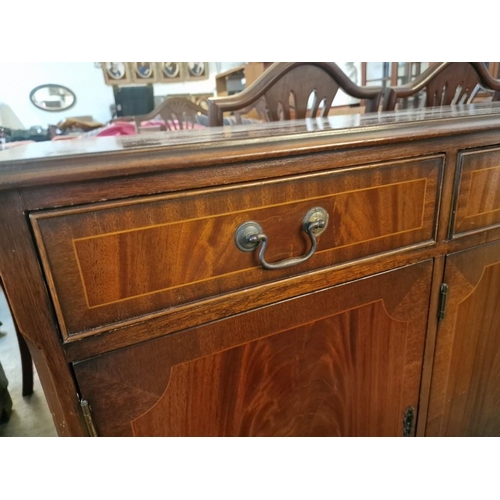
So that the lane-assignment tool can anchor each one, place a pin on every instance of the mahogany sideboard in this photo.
(333, 277)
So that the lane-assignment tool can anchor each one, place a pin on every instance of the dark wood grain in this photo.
(395, 186)
(287, 89)
(108, 157)
(444, 84)
(166, 322)
(178, 113)
(465, 390)
(26, 363)
(430, 344)
(117, 261)
(168, 181)
(33, 314)
(478, 191)
(344, 361)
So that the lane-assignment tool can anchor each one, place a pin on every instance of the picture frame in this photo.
(116, 73)
(196, 70)
(144, 72)
(170, 72)
(124, 73)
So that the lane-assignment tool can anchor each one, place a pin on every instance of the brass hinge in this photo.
(408, 419)
(443, 295)
(87, 415)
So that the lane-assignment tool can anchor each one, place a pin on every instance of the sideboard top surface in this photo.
(94, 158)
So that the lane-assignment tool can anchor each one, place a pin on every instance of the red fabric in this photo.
(153, 123)
(118, 128)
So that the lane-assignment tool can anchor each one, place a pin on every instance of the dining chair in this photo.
(5, 399)
(293, 90)
(443, 84)
(177, 113)
(26, 359)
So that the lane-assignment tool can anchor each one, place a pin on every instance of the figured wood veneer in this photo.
(465, 389)
(342, 345)
(345, 361)
(478, 196)
(121, 260)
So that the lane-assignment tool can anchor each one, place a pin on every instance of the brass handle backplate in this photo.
(249, 236)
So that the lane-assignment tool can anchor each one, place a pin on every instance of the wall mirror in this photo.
(52, 97)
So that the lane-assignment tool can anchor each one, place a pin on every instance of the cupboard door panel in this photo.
(465, 389)
(345, 361)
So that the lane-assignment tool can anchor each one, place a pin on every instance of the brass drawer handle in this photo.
(250, 235)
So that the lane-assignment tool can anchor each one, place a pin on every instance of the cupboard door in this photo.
(343, 361)
(465, 388)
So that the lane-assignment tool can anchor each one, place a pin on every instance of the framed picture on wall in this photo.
(143, 72)
(170, 72)
(196, 70)
(116, 73)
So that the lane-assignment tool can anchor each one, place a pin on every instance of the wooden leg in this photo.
(26, 363)
(5, 401)
(26, 359)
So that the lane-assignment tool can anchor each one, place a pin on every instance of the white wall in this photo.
(93, 97)
(196, 87)
(353, 71)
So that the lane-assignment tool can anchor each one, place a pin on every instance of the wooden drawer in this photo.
(111, 262)
(477, 197)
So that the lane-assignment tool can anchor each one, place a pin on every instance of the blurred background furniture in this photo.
(235, 80)
(8, 119)
(135, 100)
(26, 359)
(293, 90)
(443, 84)
(201, 99)
(175, 113)
(390, 74)
(5, 399)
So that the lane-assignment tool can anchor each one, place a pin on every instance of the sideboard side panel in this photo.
(22, 278)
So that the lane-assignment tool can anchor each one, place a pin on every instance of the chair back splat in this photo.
(307, 88)
(443, 84)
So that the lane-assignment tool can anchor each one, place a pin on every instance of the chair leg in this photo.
(5, 400)
(26, 359)
(26, 364)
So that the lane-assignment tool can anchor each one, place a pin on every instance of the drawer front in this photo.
(478, 191)
(117, 261)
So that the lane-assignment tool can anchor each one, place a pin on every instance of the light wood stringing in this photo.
(112, 262)
(342, 361)
(478, 192)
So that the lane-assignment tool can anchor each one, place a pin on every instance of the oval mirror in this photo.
(52, 97)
